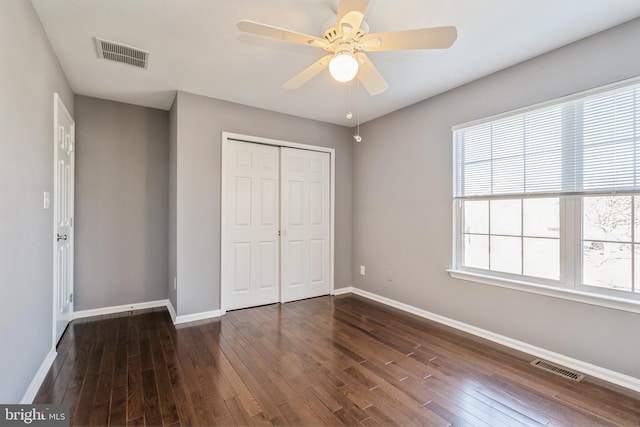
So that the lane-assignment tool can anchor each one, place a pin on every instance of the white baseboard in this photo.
(36, 382)
(614, 377)
(172, 311)
(150, 304)
(119, 308)
(185, 318)
(342, 291)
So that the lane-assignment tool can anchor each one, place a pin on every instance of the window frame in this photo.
(570, 285)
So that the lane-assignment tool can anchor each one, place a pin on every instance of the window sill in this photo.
(552, 291)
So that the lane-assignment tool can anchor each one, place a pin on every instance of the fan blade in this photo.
(282, 34)
(369, 76)
(308, 73)
(424, 38)
(350, 14)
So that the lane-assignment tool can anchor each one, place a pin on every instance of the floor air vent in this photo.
(122, 53)
(557, 370)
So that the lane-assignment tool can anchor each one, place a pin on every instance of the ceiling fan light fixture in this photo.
(343, 67)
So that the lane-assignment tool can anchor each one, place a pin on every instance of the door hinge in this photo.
(279, 233)
(71, 222)
(70, 297)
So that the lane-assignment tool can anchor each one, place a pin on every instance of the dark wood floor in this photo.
(324, 361)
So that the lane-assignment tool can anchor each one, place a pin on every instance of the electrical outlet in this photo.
(390, 275)
(362, 270)
(175, 283)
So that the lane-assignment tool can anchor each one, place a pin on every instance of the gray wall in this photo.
(29, 75)
(122, 203)
(402, 209)
(200, 122)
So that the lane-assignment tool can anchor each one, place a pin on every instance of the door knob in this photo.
(61, 237)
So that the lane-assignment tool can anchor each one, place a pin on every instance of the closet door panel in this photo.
(250, 247)
(305, 206)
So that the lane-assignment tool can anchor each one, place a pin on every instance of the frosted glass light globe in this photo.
(343, 67)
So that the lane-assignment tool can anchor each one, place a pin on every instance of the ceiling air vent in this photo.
(122, 53)
(557, 370)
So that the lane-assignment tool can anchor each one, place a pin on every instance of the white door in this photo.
(63, 193)
(250, 247)
(305, 218)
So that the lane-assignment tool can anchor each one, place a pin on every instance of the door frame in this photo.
(226, 136)
(60, 108)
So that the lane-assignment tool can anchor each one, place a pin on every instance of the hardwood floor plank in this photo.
(100, 414)
(133, 338)
(70, 399)
(549, 404)
(184, 406)
(237, 412)
(463, 402)
(192, 406)
(404, 378)
(388, 397)
(205, 358)
(260, 388)
(120, 363)
(341, 406)
(513, 414)
(85, 399)
(135, 393)
(118, 406)
(296, 412)
(68, 352)
(103, 388)
(146, 356)
(324, 394)
(90, 379)
(202, 414)
(136, 422)
(50, 380)
(322, 361)
(54, 392)
(86, 333)
(151, 404)
(280, 354)
(514, 404)
(454, 418)
(379, 417)
(601, 406)
(321, 412)
(166, 399)
(274, 385)
(445, 377)
(240, 389)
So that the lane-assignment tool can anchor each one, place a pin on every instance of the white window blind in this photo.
(589, 144)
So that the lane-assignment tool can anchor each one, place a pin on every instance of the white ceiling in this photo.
(196, 47)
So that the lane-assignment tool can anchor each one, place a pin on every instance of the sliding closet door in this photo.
(305, 218)
(250, 249)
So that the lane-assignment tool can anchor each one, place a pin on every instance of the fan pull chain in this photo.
(357, 136)
(349, 113)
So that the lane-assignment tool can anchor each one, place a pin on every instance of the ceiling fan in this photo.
(348, 40)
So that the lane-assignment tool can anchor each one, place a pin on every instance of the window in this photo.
(550, 195)
(518, 236)
(611, 250)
